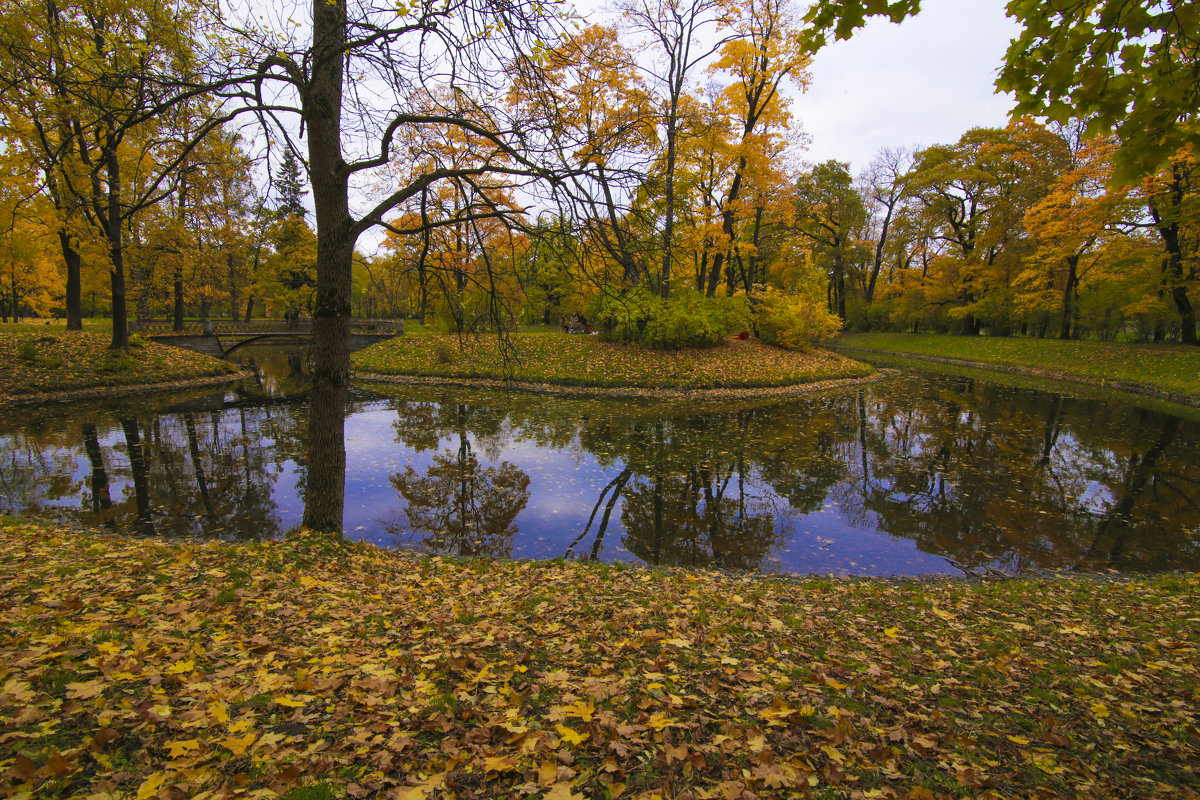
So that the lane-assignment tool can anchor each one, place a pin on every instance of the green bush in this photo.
(28, 351)
(792, 321)
(688, 319)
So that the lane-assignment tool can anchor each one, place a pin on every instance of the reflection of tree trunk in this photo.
(465, 499)
(656, 552)
(91, 443)
(619, 483)
(1140, 472)
(248, 480)
(608, 509)
(137, 465)
(197, 466)
(1050, 438)
(325, 487)
(862, 440)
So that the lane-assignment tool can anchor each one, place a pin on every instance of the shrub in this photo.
(28, 351)
(792, 321)
(688, 319)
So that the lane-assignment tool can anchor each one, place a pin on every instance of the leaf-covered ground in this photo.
(34, 361)
(557, 358)
(313, 669)
(1172, 370)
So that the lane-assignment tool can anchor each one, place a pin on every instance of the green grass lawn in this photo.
(35, 359)
(314, 668)
(1169, 369)
(558, 358)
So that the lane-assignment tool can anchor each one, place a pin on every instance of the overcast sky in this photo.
(925, 81)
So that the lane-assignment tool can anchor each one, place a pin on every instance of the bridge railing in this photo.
(258, 326)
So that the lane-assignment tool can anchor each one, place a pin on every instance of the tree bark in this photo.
(1068, 301)
(325, 491)
(74, 298)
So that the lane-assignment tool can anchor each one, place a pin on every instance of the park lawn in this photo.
(574, 360)
(36, 360)
(1167, 369)
(317, 668)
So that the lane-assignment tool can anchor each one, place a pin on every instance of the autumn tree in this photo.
(601, 125)
(975, 194)
(884, 188)
(430, 65)
(678, 32)
(1074, 228)
(830, 214)
(105, 73)
(1173, 201)
(1130, 68)
(765, 50)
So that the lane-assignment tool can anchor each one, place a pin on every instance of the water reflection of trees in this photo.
(975, 472)
(172, 473)
(456, 507)
(971, 471)
(983, 473)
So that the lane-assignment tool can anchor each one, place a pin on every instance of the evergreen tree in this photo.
(290, 183)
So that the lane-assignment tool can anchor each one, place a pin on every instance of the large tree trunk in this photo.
(727, 222)
(669, 198)
(325, 490)
(74, 298)
(1068, 301)
(1167, 223)
(116, 250)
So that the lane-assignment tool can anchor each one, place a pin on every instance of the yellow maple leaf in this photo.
(82, 691)
(499, 764)
(216, 709)
(181, 747)
(562, 791)
(150, 786)
(238, 744)
(658, 720)
(571, 736)
(290, 702)
(180, 667)
(583, 710)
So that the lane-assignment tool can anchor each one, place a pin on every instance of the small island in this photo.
(557, 362)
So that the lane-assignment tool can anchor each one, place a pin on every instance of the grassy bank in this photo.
(313, 669)
(1158, 369)
(36, 360)
(557, 358)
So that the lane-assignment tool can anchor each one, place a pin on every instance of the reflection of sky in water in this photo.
(563, 488)
(1025, 479)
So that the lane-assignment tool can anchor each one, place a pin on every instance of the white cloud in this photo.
(925, 81)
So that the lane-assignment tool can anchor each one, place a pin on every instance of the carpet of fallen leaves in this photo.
(312, 668)
(35, 362)
(557, 358)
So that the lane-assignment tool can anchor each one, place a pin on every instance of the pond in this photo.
(915, 474)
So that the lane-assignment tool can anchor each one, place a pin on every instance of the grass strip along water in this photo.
(1170, 372)
(55, 361)
(316, 668)
(576, 360)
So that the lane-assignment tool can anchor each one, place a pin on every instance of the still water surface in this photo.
(916, 474)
